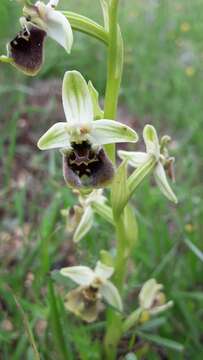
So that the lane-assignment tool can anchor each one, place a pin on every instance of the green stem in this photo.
(87, 26)
(114, 319)
(120, 260)
(114, 69)
(114, 75)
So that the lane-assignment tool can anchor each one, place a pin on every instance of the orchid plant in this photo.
(86, 141)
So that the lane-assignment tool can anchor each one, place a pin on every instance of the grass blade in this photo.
(57, 329)
(194, 249)
(27, 329)
(168, 343)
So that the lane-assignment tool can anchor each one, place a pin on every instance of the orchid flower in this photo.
(152, 299)
(81, 217)
(94, 285)
(25, 51)
(158, 152)
(81, 138)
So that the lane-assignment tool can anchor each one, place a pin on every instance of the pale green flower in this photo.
(94, 285)
(81, 137)
(156, 151)
(25, 51)
(151, 298)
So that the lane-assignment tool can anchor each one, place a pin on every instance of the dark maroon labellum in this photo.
(84, 167)
(26, 50)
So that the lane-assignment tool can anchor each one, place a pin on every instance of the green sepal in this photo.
(119, 192)
(98, 113)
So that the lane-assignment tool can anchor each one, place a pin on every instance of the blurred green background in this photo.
(162, 85)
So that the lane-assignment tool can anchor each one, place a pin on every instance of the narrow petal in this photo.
(111, 295)
(133, 158)
(56, 137)
(151, 141)
(162, 182)
(81, 275)
(110, 131)
(84, 225)
(103, 271)
(58, 28)
(77, 101)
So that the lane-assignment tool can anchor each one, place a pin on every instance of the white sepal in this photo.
(56, 137)
(135, 159)
(84, 225)
(162, 182)
(151, 141)
(58, 28)
(103, 271)
(77, 102)
(81, 275)
(109, 131)
(111, 295)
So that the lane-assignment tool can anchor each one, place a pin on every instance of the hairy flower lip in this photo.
(26, 49)
(94, 285)
(83, 161)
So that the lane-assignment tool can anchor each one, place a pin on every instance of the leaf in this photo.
(119, 192)
(194, 295)
(171, 344)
